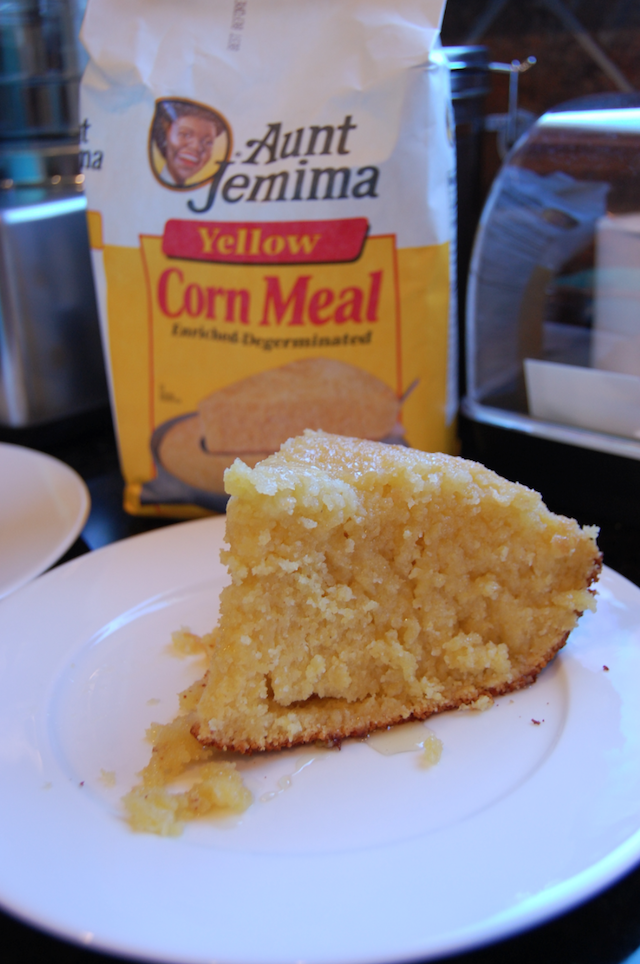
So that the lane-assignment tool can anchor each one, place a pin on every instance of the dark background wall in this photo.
(582, 47)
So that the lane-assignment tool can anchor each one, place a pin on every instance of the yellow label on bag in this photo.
(208, 325)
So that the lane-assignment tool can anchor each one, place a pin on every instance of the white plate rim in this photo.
(555, 900)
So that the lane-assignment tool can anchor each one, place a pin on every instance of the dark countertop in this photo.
(593, 488)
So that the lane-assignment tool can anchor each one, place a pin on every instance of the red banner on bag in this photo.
(272, 242)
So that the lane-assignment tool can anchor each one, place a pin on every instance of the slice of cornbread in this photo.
(373, 584)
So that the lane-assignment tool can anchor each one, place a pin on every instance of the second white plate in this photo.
(345, 856)
(43, 507)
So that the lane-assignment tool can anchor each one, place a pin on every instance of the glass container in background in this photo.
(553, 306)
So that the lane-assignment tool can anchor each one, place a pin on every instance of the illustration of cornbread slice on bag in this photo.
(251, 418)
(261, 412)
(182, 453)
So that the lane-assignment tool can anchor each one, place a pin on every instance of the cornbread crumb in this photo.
(432, 751)
(153, 809)
(174, 748)
(108, 778)
(217, 787)
(373, 584)
(185, 643)
(480, 705)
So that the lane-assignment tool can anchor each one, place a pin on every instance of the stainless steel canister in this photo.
(51, 363)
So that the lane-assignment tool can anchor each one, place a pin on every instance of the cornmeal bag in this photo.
(268, 184)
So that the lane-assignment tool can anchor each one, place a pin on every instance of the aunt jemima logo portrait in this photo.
(188, 144)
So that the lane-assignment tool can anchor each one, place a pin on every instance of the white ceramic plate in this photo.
(43, 507)
(364, 858)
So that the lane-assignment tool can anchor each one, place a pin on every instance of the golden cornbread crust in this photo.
(374, 584)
